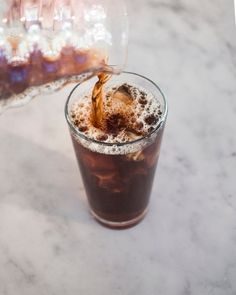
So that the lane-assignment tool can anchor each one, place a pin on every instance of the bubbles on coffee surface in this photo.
(129, 113)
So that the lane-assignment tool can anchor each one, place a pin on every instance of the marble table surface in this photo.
(49, 244)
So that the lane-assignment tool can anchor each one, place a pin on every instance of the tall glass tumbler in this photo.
(118, 177)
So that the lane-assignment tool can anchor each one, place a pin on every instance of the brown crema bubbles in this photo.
(119, 113)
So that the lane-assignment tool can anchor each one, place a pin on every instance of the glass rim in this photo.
(88, 139)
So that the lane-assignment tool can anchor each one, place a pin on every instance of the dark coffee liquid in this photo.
(118, 184)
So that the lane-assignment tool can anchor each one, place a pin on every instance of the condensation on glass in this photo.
(45, 44)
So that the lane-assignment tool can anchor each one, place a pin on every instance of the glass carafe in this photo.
(46, 44)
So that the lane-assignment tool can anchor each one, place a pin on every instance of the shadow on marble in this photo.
(41, 179)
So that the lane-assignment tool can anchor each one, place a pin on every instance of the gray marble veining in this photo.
(49, 244)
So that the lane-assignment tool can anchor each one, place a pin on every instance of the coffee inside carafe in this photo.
(46, 45)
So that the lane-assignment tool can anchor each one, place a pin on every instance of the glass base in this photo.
(121, 224)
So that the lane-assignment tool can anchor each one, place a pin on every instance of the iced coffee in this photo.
(117, 130)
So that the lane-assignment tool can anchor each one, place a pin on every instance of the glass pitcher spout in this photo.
(46, 44)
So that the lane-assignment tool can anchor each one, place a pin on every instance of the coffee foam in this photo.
(141, 110)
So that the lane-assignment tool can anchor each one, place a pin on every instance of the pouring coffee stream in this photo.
(45, 45)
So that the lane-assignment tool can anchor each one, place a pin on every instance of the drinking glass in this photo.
(118, 177)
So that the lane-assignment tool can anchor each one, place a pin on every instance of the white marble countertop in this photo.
(49, 244)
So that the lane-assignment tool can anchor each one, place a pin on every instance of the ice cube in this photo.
(110, 181)
(123, 95)
(131, 136)
(98, 163)
(138, 156)
(152, 159)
